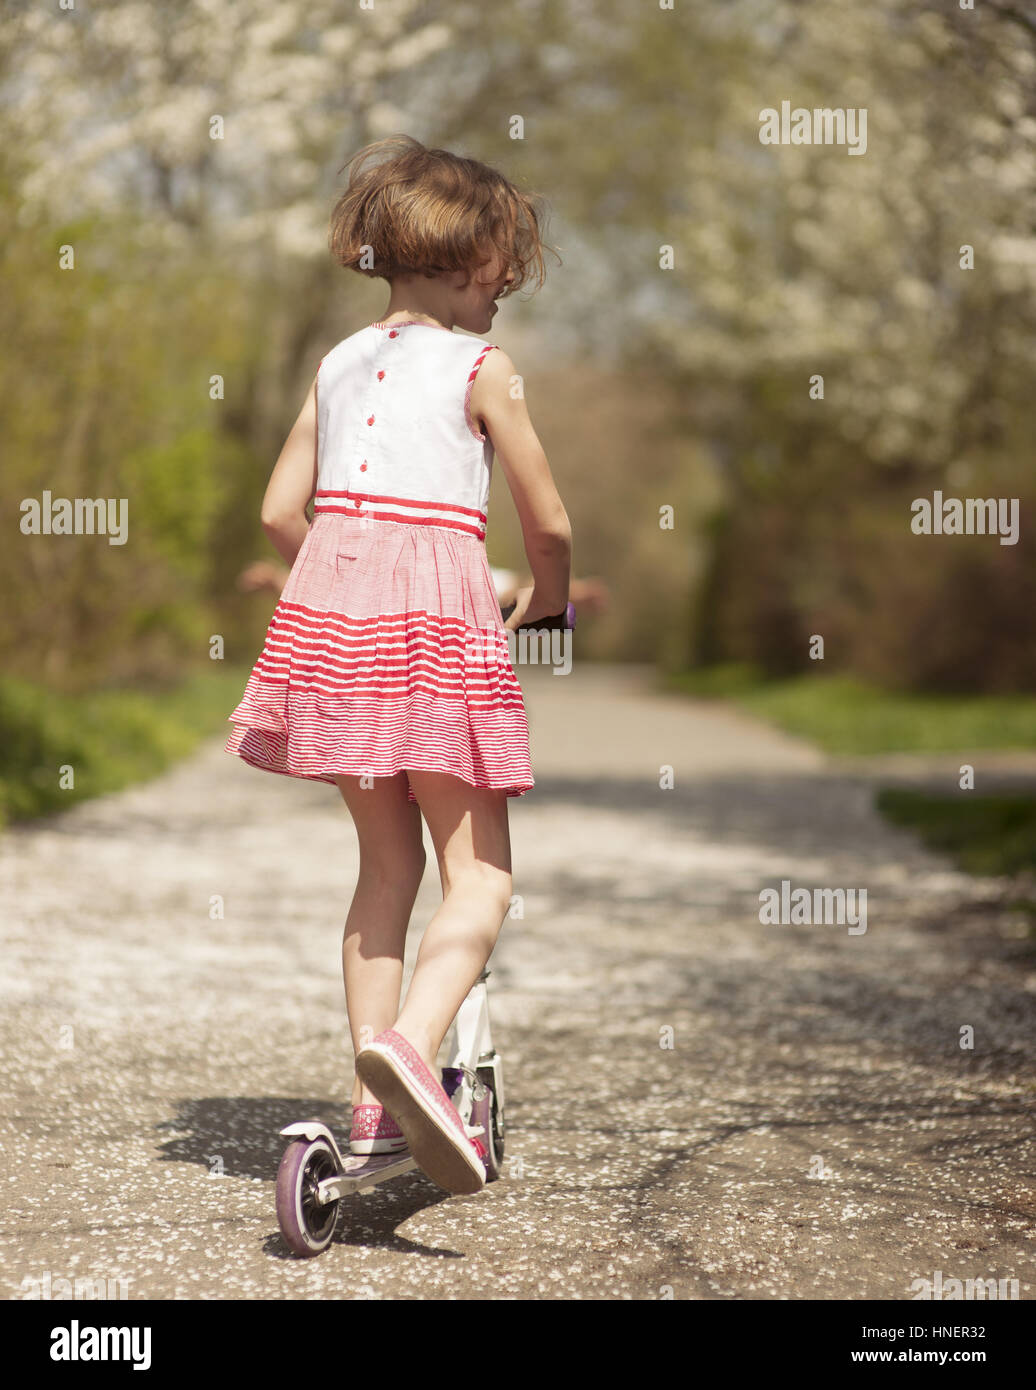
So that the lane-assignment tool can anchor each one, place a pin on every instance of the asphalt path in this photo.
(701, 1104)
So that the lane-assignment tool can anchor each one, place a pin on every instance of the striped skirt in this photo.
(386, 652)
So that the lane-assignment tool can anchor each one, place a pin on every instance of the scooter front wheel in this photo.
(306, 1225)
(485, 1112)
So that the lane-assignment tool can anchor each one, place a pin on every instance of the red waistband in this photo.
(406, 511)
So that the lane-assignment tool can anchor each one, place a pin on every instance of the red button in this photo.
(363, 468)
(393, 334)
(370, 420)
(380, 375)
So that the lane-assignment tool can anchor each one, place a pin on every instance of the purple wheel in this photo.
(306, 1225)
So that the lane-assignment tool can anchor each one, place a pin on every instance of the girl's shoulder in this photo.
(437, 341)
(355, 345)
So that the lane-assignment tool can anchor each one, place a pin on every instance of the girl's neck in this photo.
(420, 300)
(396, 316)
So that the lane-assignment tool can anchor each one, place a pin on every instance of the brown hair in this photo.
(429, 212)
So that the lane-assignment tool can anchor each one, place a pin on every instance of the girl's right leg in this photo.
(468, 827)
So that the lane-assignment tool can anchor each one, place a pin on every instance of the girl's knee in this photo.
(489, 882)
(399, 868)
(412, 864)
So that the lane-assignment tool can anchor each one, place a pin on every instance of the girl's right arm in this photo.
(546, 530)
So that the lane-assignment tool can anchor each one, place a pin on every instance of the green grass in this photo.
(109, 738)
(846, 716)
(984, 834)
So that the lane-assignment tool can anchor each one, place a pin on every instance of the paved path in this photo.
(633, 1167)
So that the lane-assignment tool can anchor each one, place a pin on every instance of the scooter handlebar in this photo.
(559, 621)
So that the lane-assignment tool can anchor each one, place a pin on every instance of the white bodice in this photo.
(395, 436)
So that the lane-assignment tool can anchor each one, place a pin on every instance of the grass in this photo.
(107, 739)
(984, 834)
(846, 716)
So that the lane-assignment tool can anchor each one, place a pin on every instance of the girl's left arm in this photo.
(293, 483)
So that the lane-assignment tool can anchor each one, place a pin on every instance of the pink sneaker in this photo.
(374, 1131)
(391, 1068)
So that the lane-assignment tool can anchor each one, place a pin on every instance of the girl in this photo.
(385, 669)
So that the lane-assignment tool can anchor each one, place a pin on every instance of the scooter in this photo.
(314, 1175)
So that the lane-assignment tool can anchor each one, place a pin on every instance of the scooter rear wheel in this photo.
(305, 1224)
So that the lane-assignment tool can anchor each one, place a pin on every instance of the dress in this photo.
(387, 649)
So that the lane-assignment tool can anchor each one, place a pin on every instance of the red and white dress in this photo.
(387, 649)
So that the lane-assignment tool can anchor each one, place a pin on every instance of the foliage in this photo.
(985, 834)
(198, 258)
(847, 716)
(108, 738)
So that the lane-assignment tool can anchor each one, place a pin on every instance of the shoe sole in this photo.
(433, 1149)
(366, 1147)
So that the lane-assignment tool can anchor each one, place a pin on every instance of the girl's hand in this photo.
(264, 574)
(529, 609)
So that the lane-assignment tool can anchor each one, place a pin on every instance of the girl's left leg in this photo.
(392, 861)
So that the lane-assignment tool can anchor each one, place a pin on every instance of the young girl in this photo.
(385, 669)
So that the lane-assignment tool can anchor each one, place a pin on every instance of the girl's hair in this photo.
(428, 212)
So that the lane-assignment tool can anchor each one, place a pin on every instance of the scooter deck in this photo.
(367, 1170)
